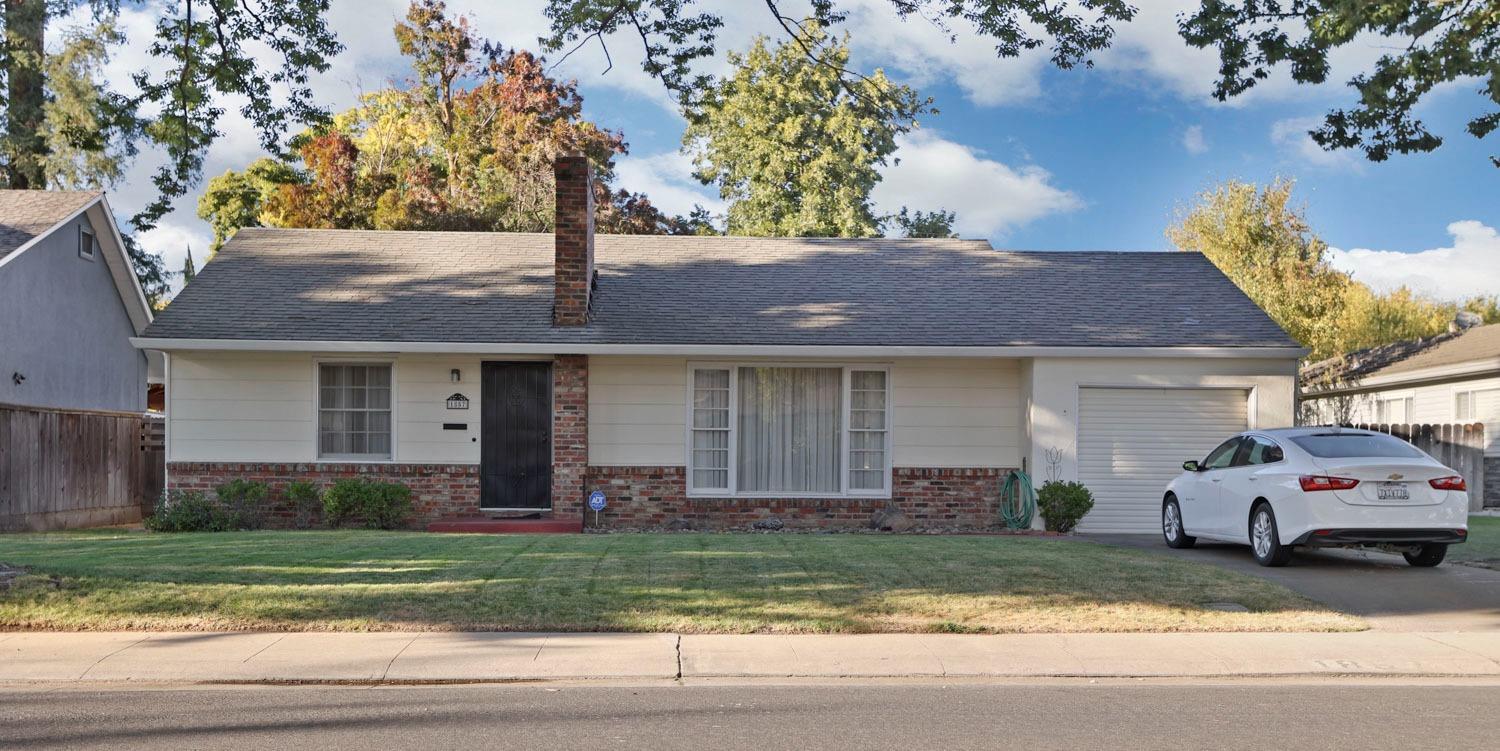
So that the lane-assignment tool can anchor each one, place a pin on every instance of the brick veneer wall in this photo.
(437, 490)
(570, 434)
(655, 496)
(573, 262)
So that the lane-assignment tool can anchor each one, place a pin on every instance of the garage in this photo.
(1133, 441)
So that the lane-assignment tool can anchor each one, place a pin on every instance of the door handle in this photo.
(1251, 479)
(1218, 479)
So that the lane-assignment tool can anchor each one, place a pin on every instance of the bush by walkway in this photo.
(690, 583)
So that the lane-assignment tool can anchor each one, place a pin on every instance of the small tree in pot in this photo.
(1062, 504)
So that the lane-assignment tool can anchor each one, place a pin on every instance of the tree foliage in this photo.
(67, 126)
(1430, 42)
(924, 223)
(793, 150)
(1263, 243)
(466, 143)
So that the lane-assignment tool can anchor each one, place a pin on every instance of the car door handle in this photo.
(1251, 479)
(1218, 479)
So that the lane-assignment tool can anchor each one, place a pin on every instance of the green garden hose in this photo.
(1017, 500)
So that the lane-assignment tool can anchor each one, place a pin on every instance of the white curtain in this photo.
(789, 430)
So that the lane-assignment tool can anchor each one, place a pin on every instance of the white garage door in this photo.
(1132, 442)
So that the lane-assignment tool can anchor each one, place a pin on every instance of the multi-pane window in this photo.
(793, 430)
(354, 411)
(1397, 410)
(710, 460)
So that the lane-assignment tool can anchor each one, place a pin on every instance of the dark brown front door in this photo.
(515, 461)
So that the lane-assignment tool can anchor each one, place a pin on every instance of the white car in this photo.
(1275, 490)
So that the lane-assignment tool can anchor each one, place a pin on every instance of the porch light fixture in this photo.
(454, 375)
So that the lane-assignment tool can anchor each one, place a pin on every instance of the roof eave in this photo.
(169, 344)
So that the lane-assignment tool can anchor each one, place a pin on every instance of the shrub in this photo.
(1063, 503)
(381, 505)
(188, 511)
(306, 501)
(245, 503)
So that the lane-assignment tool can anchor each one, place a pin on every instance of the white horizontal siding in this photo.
(1435, 404)
(240, 408)
(956, 413)
(637, 411)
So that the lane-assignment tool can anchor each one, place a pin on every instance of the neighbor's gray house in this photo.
(1451, 378)
(716, 380)
(69, 305)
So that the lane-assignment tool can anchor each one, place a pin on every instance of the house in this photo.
(69, 305)
(716, 380)
(1451, 378)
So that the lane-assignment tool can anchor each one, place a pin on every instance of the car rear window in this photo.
(1351, 445)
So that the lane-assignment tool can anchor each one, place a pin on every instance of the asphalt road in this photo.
(1391, 595)
(1077, 717)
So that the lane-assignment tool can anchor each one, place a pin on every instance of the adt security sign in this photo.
(596, 502)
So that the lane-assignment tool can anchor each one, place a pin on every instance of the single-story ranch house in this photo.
(718, 380)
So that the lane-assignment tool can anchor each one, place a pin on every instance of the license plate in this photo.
(1392, 491)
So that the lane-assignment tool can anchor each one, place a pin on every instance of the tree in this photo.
(188, 269)
(1264, 245)
(924, 223)
(68, 127)
(793, 151)
(467, 142)
(1431, 43)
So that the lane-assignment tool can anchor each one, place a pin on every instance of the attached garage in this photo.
(1133, 441)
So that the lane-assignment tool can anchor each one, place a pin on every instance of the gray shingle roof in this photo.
(289, 284)
(1447, 348)
(24, 214)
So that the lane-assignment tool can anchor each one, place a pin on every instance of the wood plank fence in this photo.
(66, 469)
(1460, 446)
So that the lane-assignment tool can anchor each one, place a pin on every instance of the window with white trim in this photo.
(1464, 407)
(1398, 410)
(86, 244)
(789, 430)
(354, 411)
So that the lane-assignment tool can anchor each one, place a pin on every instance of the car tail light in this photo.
(1449, 483)
(1323, 482)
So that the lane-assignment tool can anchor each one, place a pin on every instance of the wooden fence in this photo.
(1458, 446)
(64, 469)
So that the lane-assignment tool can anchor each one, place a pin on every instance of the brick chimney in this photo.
(573, 266)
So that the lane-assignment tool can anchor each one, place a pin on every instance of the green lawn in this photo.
(1483, 546)
(702, 583)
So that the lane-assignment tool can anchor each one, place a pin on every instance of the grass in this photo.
(695, 583)
(1483, 545)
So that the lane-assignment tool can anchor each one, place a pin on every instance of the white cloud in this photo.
(1291, 136)
(171, 240)
(1468, 267)
(1193, 140)
(989, 197)
(667, 179)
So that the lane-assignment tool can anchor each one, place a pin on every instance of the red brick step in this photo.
(486, 525)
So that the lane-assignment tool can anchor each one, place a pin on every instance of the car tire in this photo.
(1171, 526)
(1265, 541)
(1426, 556)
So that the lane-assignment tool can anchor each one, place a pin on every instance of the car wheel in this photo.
(1265, 542)
(1171, 526)
(1427, 556)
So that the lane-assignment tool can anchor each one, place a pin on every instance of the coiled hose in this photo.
(1017, 500)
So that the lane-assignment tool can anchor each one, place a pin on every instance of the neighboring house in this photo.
(1450, 378)
(717, 380)
(69, 305)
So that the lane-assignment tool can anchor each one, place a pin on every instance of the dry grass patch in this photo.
(691, 583)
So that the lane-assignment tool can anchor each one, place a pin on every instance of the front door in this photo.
(515, 454)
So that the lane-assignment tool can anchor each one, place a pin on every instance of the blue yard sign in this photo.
(596, 500)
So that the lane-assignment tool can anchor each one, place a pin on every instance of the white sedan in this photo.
(1275, 490)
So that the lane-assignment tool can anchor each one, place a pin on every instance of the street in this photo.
(1077, 715)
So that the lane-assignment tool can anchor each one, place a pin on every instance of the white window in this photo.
(1397, 411)
(354, 411)
(780, 430)
(86, 244)
(1464, 407)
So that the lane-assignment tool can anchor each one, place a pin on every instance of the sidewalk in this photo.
(460, 657)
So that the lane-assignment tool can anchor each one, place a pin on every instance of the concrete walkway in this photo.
(462, 657)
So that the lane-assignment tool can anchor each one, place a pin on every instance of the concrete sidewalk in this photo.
(459, 657)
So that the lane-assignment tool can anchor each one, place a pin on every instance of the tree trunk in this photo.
(25, 32)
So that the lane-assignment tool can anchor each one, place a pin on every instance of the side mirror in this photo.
(1190, 465)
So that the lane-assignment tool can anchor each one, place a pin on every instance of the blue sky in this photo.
(1029, 156)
